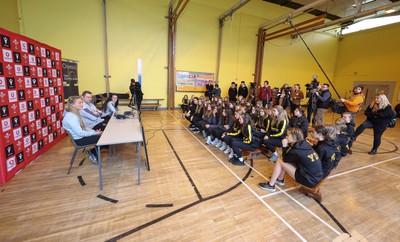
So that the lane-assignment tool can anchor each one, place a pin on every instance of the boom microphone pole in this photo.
(320, 67)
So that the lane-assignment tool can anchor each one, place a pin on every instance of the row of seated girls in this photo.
(232, 128)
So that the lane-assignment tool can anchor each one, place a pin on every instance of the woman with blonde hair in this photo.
(73, 123)
(277, 131)
(378, 113)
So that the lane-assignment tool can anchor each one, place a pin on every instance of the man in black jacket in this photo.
(323, 98)
(243, 90)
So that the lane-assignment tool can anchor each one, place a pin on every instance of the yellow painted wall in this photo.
(9, 15)
(371, 55)
(138, 29)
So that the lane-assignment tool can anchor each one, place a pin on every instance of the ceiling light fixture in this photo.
(364, 2)
(390, 11)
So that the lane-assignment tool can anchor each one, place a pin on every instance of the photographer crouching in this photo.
(323, 98)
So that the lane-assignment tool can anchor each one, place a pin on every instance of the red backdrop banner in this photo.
(31, 101)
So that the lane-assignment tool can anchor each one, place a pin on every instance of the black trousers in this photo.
(239, 144)
(90, 140)
(378, 132)
(270, 143)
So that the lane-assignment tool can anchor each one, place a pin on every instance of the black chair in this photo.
(77, 147)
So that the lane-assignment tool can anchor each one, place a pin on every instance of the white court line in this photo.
(391, 173)
(254, 193)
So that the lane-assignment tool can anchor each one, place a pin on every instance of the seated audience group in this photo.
(237, 126)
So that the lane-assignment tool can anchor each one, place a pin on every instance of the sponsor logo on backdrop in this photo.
(18, 70)
(30, 105)
(31, 116)
(32, 60)
(1, 69)
(44, 72)
(11, 164)
(7, 55)
(21, 95)
(34, 82)
(24, 46)
(12, 96)
(38, 61)
(2, 83)
(17, 57)
(27, 71)
(17, 134)
(4, 111)
(25, 130)
(6, 124)
(20, 157)
(39, 72)
(5, 41)
(28, 82)
(10, 83)
(15, 121)
(9, 150)
(40, 144)
(22, 107)
(31, 48)
(27, 141)
(34, 148)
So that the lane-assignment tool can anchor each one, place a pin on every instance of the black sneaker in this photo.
(280, 182)
(237, 162)
(267, 187)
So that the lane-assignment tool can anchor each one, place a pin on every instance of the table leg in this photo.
(99, 165)
(138, 162)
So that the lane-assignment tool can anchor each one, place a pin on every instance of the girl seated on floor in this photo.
(300, 161)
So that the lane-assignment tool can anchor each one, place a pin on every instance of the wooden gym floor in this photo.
(193, 193)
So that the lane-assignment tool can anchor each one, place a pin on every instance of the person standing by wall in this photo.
(378, 113)
(295, 97)
(209, 89)
(232, 93)
(136, 88)
(216, 92)
(354, 102)
(265, 93)
(323, 99)
(243, 90)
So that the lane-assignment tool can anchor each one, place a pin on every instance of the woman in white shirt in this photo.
(110, 106)
(73, 123)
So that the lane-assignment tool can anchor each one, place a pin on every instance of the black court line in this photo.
(184, 168)
(81, 181)
(107, 198)
(148, 224)
(83, 160)
(332, 217)
(159, 205)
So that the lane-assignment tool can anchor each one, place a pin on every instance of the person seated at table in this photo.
(110, 106)
(90, 114)
(300, 161)
(74, 124)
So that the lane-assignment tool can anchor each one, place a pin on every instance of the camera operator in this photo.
(354, 102)
(295, 97)
(323, 98)
(284, 96)
(312, 88)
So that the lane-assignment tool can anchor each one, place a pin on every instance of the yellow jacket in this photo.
(353, 103)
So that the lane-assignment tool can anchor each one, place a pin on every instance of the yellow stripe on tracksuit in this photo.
(281, 131)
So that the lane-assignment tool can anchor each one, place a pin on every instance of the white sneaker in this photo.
(218, 144)
(230, 156)
(214, 142)
(208, 140)
(228, 150)
(223, 146)
(204, 133)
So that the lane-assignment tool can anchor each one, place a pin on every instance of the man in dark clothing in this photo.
(243, 90)
(266, 94)
(136, 90)
(209, 89)
(232, 93)
(323, 99)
